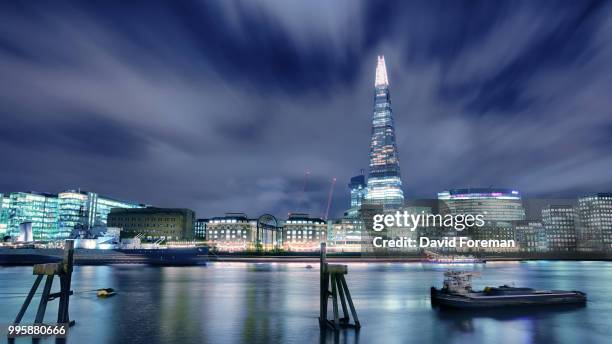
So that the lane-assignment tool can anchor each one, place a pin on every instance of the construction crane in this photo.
(329, 197)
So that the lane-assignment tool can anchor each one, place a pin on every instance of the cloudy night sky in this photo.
(223, 105)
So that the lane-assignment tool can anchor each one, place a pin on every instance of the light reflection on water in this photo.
(278, 303)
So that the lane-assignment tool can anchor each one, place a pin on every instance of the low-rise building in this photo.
(232, 232)
(154, 223)
(301, 232)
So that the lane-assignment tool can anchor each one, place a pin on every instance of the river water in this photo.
(278, 303)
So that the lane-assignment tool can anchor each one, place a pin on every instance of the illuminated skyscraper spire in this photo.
(381, 73)
(384, 181)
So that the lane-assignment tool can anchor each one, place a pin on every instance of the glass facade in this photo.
(39, 208)
(85, 210)
(55, 216)
(384, 181)
(4, 212)
(358, 190)
(497, 205)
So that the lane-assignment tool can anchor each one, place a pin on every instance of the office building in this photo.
(232, 232)
(301, 232)
(85, 210)
(38, 208)
(200, 228)
(560, 226)
(4, 214)
(169, 224)
(530, 236)
(594, 229)
(495, 204)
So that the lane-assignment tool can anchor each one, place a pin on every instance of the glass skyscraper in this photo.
(384, 181)
(358, 190)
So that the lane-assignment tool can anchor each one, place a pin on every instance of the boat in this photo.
(436, 258)
(457, 292)
(152, 256)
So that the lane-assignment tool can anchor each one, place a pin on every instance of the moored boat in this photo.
(457, 292)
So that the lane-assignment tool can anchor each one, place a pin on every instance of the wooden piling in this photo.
(64, 271)
(334, 274)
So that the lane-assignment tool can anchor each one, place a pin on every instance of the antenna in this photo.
(329, 197)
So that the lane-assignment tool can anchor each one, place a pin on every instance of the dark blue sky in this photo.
(222, 105)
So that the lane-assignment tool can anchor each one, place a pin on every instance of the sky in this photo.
(221, 106)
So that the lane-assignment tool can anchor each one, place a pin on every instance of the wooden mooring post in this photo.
(334, 274)
(64, 271)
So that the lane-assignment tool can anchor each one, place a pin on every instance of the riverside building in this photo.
(83, 209)
(560, 226)
(530, 236)
(154, 223)
(232, 232)
(55, 216)
(594, 230)
(496, 204)
(301, 232)
(499, 207)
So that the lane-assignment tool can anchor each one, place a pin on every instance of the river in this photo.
(278, 303)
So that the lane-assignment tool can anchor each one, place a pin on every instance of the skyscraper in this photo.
(384, 181)
(358, 190)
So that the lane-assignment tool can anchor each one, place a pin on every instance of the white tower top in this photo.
(381, 72)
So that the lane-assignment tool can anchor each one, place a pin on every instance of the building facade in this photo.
(345, 235)
(358, 189)
(232, 232)
(384, 180)
(495, 204)
(154, 223)
(560, 226)
(38, 208)
(55, 216)
(4, 214)
(530, 236)
(82, 209)
(200, 228)
(594, 230)
(300, 232)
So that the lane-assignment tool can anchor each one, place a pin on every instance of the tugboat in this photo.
(457, 293)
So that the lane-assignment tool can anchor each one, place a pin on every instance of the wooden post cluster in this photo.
(64, 271)
(333, 274)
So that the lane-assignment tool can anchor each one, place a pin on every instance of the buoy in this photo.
(106, 292)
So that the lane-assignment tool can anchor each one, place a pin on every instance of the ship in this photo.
(457, 293)
(152, 256)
